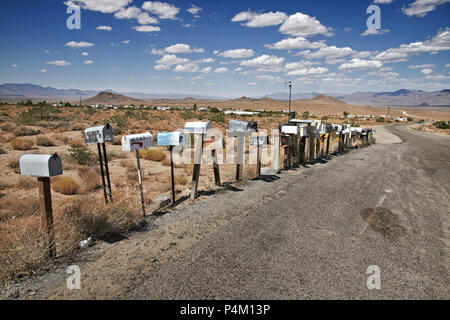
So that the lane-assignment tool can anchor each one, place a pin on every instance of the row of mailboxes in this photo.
(326, 128)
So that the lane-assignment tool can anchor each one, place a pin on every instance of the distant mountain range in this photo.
(27, 90)
(400, 97)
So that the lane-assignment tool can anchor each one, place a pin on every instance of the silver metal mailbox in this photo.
(40, 165)
(137, 141)
(242, 126)
(303, 130)
(99, 134)
(289, 129)
(170, 139)
(326, 128)
(338, 128)
(197, 127)
(300, 121)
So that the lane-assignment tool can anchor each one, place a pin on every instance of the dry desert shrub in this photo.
(178, 180)
(21, 251)
(90, 179)
(21, 144)
(76, 143)
(45, 142)
(188, 169)
(65, 185)
(19, 209)
(27, 182)
(113, 155)
(126, 163)
(24, 131)
(153, 155)
(14, 164)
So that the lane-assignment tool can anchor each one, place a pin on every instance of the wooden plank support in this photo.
(45, 199)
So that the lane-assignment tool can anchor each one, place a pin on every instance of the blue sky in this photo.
(227, 48)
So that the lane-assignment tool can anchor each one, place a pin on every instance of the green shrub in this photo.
(81, 154)
(442, 125)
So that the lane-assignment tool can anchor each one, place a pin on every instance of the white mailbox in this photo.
(242, 126)
(326, 128)
(289, 129)
(40, 165)
(338, 128)
(303, 130)
(170, 139)
(301, 121)
(100, 134)
(197, 127)
(137, 141)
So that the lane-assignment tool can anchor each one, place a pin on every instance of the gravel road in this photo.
(309, 233)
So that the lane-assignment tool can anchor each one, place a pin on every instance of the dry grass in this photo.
(178, 180)
(76, 143)
(45, 142)
(22, 144)
(90, 179)
(153, 155)
(14, 164)
(24, 131)
(22, 249)
(27, 182)
(65, 185)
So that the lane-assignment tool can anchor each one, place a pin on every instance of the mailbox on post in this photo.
(239, 130)
(40, 165)
(100, 135)
(43, 167)
(242, 126)
(197, 127)
(194, 128)
(135, 143)
(171, 139)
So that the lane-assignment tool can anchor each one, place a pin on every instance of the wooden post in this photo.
(45, 199)
(240, 156)
(216, 168)
(196, 172)
(141, 188)
(258, 159)
(172, 174)
(102, 172)
(328, 143)
(107, 171)
(276, 154)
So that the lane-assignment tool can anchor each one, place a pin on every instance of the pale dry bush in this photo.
(22, 250)
(90, 179)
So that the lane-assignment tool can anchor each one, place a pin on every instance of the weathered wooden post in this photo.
(239, 130)
(135, 143)
(198, 129)
(171, 139)
(100, 135)
(43, 167)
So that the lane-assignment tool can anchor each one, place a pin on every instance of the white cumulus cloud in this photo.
(162, 9)
(237, 53)
(58, 63)
(360, 64)
(302, 25)
(259, 20)
(146, 28)
(221, 70)
(295, 43)
(263, 61)
(104, 6)
(80, 44)
(104, 28)
(421, 8)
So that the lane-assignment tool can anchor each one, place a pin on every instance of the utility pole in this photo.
(289, 83)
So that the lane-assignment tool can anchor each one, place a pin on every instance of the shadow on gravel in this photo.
(268, 179)
(384, 222)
